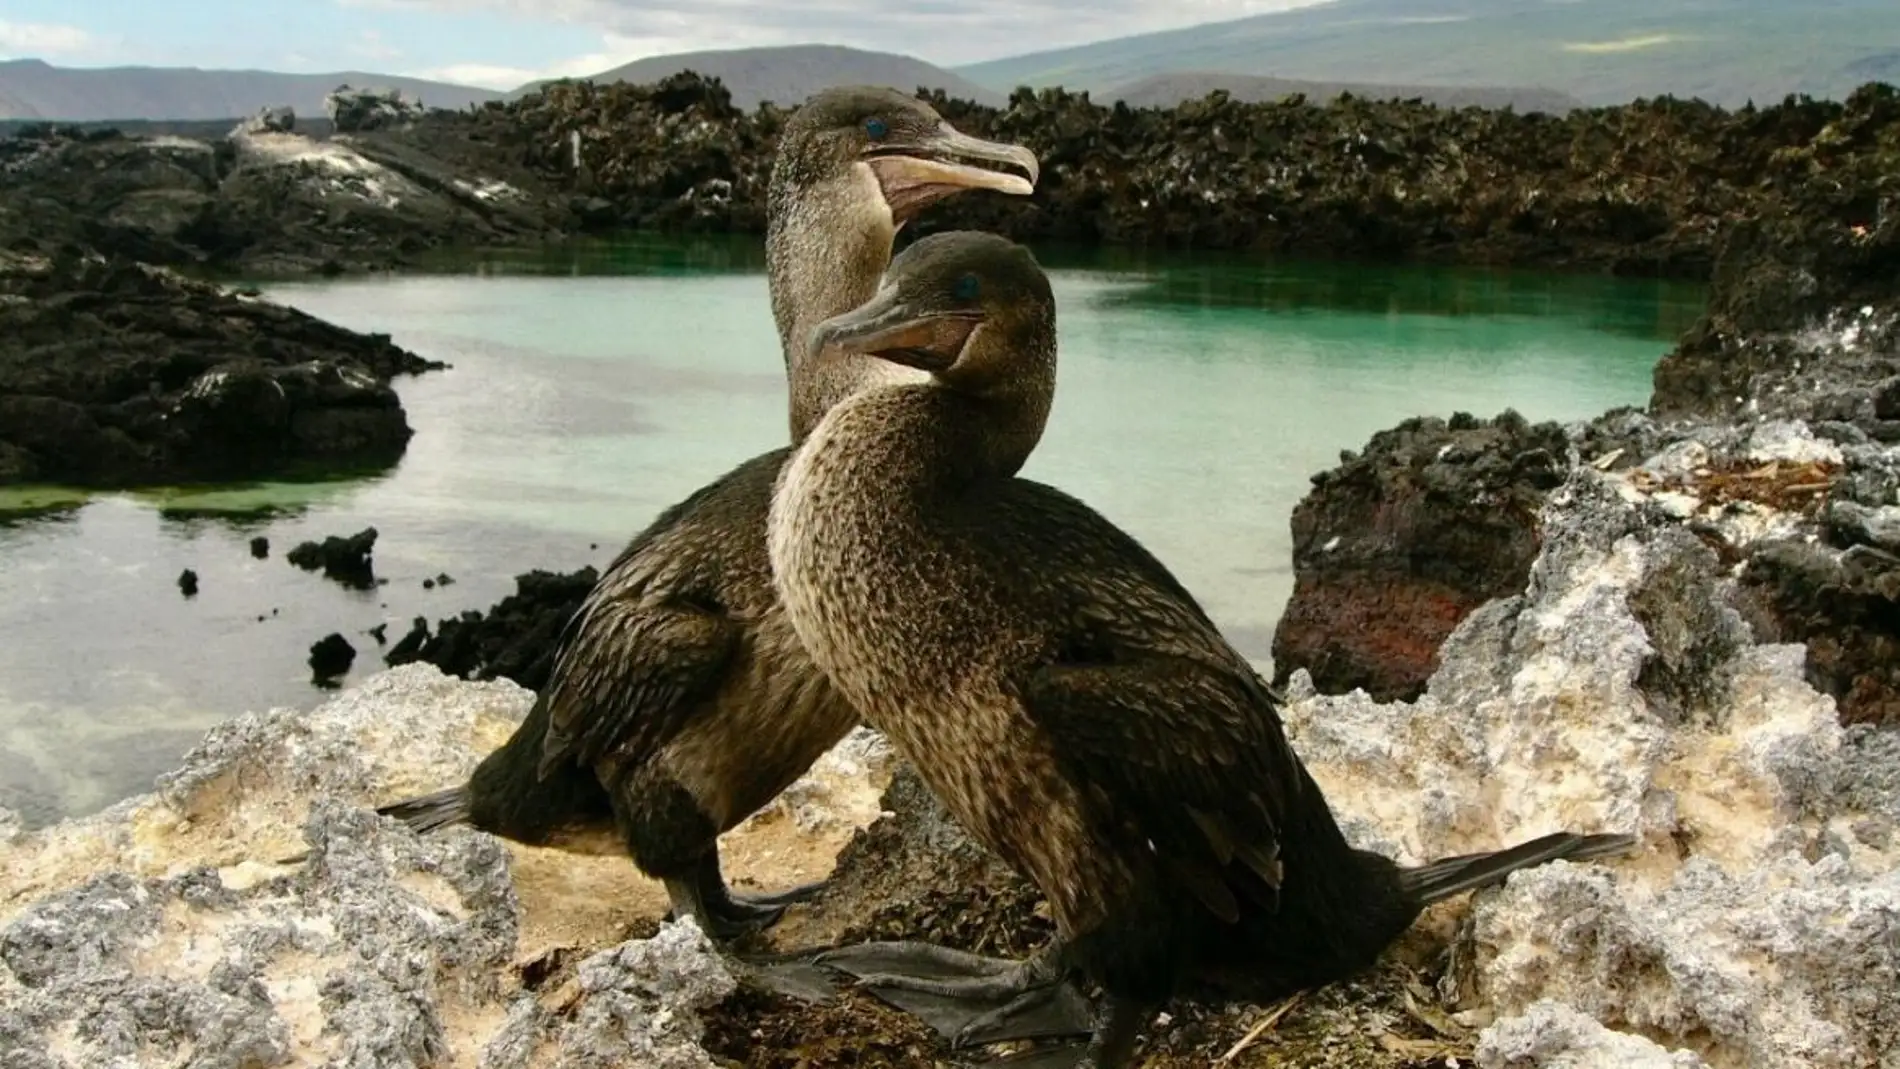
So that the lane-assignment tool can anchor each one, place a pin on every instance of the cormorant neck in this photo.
(951, 439)
(826, 246)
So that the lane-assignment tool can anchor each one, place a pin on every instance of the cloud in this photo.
(370, 45)
(34, 39)
(614, 51)
(946, 32)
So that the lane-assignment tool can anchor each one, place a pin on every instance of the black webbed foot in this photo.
(720, 925)
(791, 974)
(968, 998)
(927, 967)
(776, 900)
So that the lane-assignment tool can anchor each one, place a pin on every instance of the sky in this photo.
(504, 43)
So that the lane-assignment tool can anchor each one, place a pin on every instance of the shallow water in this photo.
(592, 388)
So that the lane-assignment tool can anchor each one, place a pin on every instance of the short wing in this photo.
(630, 677)
(652, 641)
(1148, 702)
(1193, 757)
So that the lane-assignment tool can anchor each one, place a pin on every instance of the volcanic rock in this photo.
(345, 560)
(330, 658)
(1656, 187)
(115, 374)
(1399, 543)
(1770, 434)
(515, 639)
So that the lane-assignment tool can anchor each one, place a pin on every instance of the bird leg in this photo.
(1112, 1045)
(969, 998)
(721, 914)
(752, 910)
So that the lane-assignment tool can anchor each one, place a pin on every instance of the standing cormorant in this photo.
(1063, 696)
(680, 702)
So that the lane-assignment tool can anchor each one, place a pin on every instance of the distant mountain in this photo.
(1601, 51)
(1167, 90)
(316, 126)
(789, 74)
(32, 89)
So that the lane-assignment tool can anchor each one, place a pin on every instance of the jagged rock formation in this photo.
(1400, 542)
(113, 373)
(351, 109)
(176, 927)
(263, 198)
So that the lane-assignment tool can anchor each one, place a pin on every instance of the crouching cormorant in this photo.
(1068, 701)
(680, 701)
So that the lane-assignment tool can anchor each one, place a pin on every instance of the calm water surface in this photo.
(593, 388)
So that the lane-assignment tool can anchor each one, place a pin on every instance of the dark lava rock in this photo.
(265, 200)
(516, 639)
(354, 109)
(188, 583)
(346, 560)
(1652, 187)
(116, 374)
(330, 657)
(260, 547)
(1803, 323)
(1393, 548)
(1831, 245)
(1846, 608)
(380, 633)
(279, 119)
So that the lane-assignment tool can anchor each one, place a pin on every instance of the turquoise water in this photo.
(593, 388)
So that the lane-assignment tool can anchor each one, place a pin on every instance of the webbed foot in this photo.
(968, 998)
(766, 908)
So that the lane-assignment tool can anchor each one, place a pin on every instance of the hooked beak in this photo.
(942, 164)
(888, 328)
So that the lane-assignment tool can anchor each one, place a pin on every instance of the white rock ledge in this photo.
(163, 932)
(1758, 929)
(1760, 925)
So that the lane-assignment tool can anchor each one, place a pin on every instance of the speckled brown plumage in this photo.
(1063, 695)
(681, 701)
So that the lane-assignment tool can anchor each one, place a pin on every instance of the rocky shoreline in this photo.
(1653, 187)
(1771, 434)
(117, 373)
(1658, 187)
(1677, 621)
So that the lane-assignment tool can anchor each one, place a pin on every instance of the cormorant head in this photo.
(972, 309)
(894, 147)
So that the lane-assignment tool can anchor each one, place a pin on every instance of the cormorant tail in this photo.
(1438, 880)
(431, 812)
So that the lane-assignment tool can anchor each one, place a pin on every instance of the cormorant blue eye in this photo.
(876, 128)
(968, 287)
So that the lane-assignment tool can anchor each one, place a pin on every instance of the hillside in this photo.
(1167, 90)
(1602, 52)
(32, 89)
(789, 74)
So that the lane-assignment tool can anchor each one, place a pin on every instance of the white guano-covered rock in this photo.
(176, 928)
(1759, 926)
